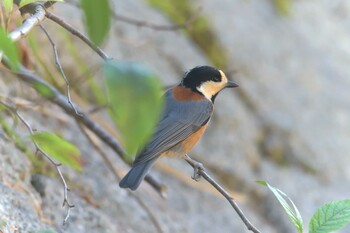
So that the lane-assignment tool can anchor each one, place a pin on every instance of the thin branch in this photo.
(200, 170)
(47, 156)
(109, 164)
(78, 34)
(59, 66)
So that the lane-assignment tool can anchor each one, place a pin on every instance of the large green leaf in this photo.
(97, 19)
(9, 49)
(59, 149)
(330, 217)
(26, 2)
(288, 206)
(135, 99)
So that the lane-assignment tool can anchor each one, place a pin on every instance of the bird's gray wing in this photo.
(179, 121)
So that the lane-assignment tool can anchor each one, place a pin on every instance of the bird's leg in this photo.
(196, 167)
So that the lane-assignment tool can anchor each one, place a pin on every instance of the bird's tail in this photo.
(134, 177)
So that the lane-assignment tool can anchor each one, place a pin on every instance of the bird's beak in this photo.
(231, 84)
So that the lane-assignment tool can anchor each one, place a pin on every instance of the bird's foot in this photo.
(197, 166)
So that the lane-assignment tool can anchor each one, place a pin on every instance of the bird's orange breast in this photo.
(186, 94)
(186, 145)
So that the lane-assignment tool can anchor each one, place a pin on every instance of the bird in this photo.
(185, 117)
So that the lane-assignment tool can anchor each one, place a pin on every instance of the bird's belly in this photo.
(186, 145)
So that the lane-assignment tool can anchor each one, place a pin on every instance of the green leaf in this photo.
(136, 103)
(8, 5)
(288, 205)
(9, 49)
(26, 2)
(97, 19)
(59, 149)
(330, 217)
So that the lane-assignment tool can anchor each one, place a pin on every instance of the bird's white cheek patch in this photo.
(210, 89)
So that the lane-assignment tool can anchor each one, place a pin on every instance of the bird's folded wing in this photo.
(178, 122)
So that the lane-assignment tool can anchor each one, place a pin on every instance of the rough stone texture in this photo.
(288, 123)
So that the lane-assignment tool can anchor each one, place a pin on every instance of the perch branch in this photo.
(47, 156)
(207, 177)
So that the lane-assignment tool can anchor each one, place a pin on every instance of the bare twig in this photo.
(207, 177)
(59, 66)
(78, 34)
(47, 156)
(116, 175)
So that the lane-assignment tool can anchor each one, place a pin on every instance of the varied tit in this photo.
(188, 108)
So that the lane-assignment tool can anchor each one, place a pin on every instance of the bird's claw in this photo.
(197, 166)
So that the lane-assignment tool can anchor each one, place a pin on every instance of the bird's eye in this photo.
(217, 79)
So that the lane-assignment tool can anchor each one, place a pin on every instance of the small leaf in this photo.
(59, 149)
(136, 103)
(26, 2)
(97, 19)
(8, 5)
(9, 49)
(287, 204)
(330, 217)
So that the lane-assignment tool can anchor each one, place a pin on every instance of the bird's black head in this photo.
(198, 75)
(207, 81)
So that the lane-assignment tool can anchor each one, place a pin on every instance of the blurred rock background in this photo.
(288, 123)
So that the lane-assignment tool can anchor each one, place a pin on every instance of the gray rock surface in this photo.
(287, 124)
